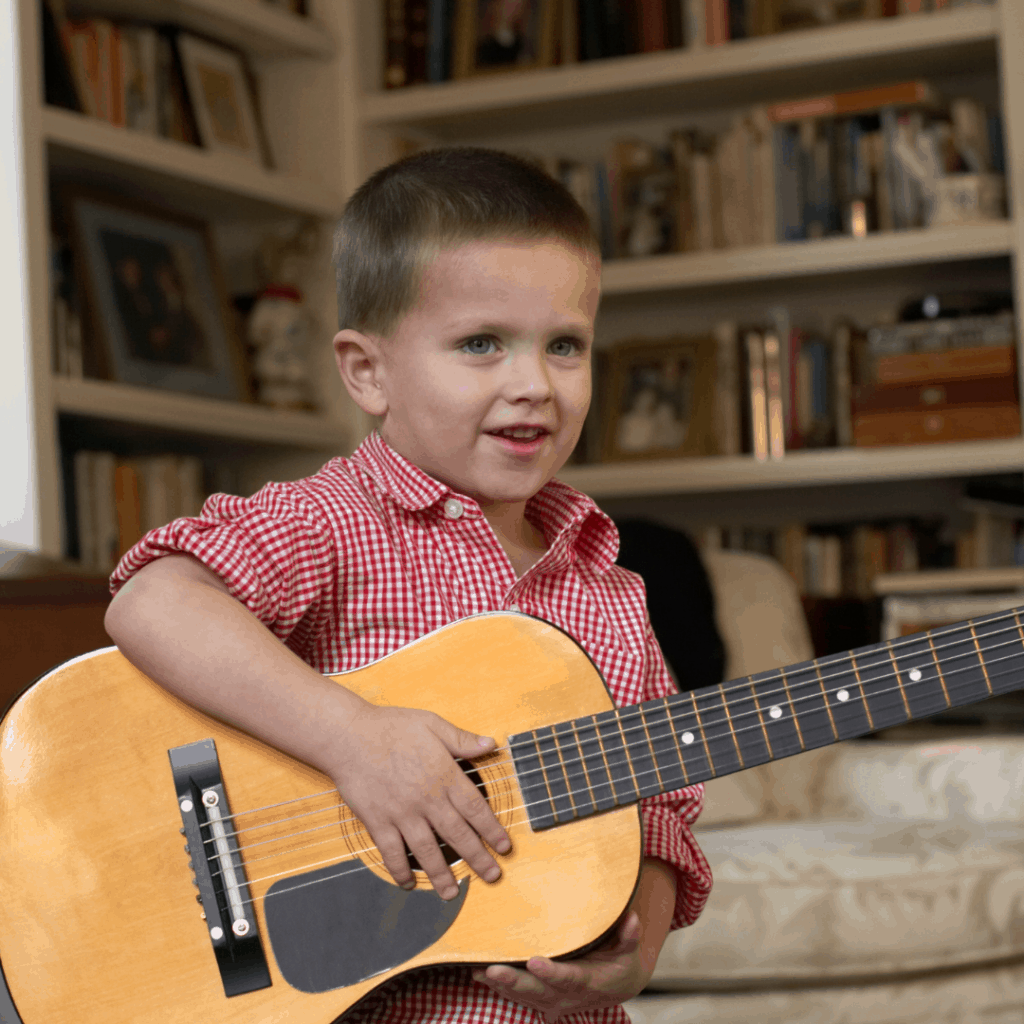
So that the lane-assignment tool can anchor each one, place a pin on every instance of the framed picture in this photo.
(503, 35)
(158, 311)
(218, 86)
(659, 399)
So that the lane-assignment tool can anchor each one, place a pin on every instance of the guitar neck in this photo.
(585, 765)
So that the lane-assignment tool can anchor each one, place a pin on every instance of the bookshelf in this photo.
(576, 109)
(293, 58)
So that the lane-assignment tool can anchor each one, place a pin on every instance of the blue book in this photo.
(789, 201)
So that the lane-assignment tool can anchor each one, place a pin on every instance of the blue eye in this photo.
(479, 346)
(565, 347)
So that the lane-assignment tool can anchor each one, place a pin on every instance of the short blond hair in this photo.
(400, 217)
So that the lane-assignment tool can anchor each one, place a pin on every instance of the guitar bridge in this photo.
(219, 872)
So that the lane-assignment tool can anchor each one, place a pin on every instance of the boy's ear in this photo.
(359, 364)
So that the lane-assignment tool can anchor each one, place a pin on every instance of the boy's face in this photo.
(485, 384)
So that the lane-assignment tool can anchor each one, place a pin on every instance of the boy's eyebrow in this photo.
(472, 325)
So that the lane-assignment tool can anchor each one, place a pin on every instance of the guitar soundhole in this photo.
(450, 855)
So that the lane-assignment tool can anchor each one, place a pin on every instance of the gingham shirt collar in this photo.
(573, 525)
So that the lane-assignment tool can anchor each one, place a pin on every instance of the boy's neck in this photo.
(523, 542)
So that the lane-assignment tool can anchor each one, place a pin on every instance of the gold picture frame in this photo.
(494, 36)
(659, 399)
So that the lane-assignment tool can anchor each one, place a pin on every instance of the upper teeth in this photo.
(521, 431)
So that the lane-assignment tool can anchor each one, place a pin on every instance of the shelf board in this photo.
(656, 84)
(253, 26)
(89, 151)
(801, 259)
(192, 415)
(797, 469)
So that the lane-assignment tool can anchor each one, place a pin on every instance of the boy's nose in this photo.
(529, 378)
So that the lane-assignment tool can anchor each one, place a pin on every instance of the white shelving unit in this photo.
(575, 110)
(300, 67)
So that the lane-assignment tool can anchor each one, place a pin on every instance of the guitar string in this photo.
(815, 665)
(570, 790)
(672, 718)
(353, 867)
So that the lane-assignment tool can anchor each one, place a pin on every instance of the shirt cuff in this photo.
(667, 836)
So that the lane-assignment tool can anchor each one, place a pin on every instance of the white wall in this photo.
(18, 518)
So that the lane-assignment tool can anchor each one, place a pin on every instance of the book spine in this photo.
(727, 389)
(758, 395)
(773, 391)
(703, 209)
(415, 42)
(717, 22)
(695, 24)
(653, 27)
(675, 24)
(842, 385)
(85, 509)
(105, 510)
(127, 507)
(963, 423)
(395, 39)
(945, 365)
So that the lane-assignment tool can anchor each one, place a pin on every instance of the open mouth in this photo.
(524, 434)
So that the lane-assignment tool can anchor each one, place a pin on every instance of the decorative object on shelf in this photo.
(968, 199)
(904, 614)
(219, 88)
(503, 35)
(158, 312)
(278, 330)
(659, 401)
(279, 326)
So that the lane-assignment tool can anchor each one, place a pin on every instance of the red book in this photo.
(922, 426)
(717, 17)
(653, 25)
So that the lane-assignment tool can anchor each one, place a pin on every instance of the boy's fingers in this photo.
(465, 744)
(423, 844)
(392, 852)
(467, 800)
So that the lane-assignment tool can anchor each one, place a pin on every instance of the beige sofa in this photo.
(867, 881)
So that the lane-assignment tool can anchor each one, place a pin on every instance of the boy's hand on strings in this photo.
(395, 769)
(607, 976)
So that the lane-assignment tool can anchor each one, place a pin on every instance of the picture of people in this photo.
(660, 399)
(656, 409)
(152, 301)
(157, 310)
(224, 105)
(503, 35)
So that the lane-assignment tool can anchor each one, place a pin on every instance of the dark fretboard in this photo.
(590, 764)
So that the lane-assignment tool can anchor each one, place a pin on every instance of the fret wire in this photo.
(760, 715)
(728, 718)
(625, 748)
(544, 774)
(981, 660)
(824, 697)
(675, 738)
(899, 681)
(561, 761)
(863, 691)
(792, 710)
(604, 758)
(938, 669)
(1020, 629)
(583, 762)
(707, 749)
(650, 743)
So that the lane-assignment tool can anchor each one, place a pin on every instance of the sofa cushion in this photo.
(905, 858)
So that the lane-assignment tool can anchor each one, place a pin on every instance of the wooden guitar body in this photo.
(99, 920)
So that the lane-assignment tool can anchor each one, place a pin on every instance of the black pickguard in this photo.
(341, 924)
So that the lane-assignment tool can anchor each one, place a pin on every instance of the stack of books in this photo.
(938, 380)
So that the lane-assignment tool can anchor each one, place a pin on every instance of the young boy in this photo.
(468, 284)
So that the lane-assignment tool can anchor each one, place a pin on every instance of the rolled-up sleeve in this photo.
(276, 554)
(667, 817)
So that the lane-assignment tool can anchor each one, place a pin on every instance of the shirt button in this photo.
(453, 508)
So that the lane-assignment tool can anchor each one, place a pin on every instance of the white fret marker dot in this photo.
(843, 695)
(687, 737)
(915, 675)
(776, 712)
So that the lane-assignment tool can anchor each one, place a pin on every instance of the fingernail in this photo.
(504, 846)
(492, 874)
(449, 893)
(411, 884)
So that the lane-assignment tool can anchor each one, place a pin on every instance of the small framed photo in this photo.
(219, 88)
(659, 399)
(503, 35)
(158, 311)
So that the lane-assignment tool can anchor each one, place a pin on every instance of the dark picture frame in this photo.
(157, 309)
(493, 36)
(659, 399)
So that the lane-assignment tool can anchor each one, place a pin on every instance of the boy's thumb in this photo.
(469, 744)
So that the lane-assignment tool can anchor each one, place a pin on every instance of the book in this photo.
(416, 25)
(395, 43)
(61, 87)
(127, 507)
(924, 426)
(758, 398)
(138, 54)
(856, 101)
(943, 365)
(972, 391)
(728, 417)
(773, 390)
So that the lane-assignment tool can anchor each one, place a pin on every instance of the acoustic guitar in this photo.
(160, 867)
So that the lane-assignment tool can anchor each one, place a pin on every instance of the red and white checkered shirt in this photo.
(371, 553)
